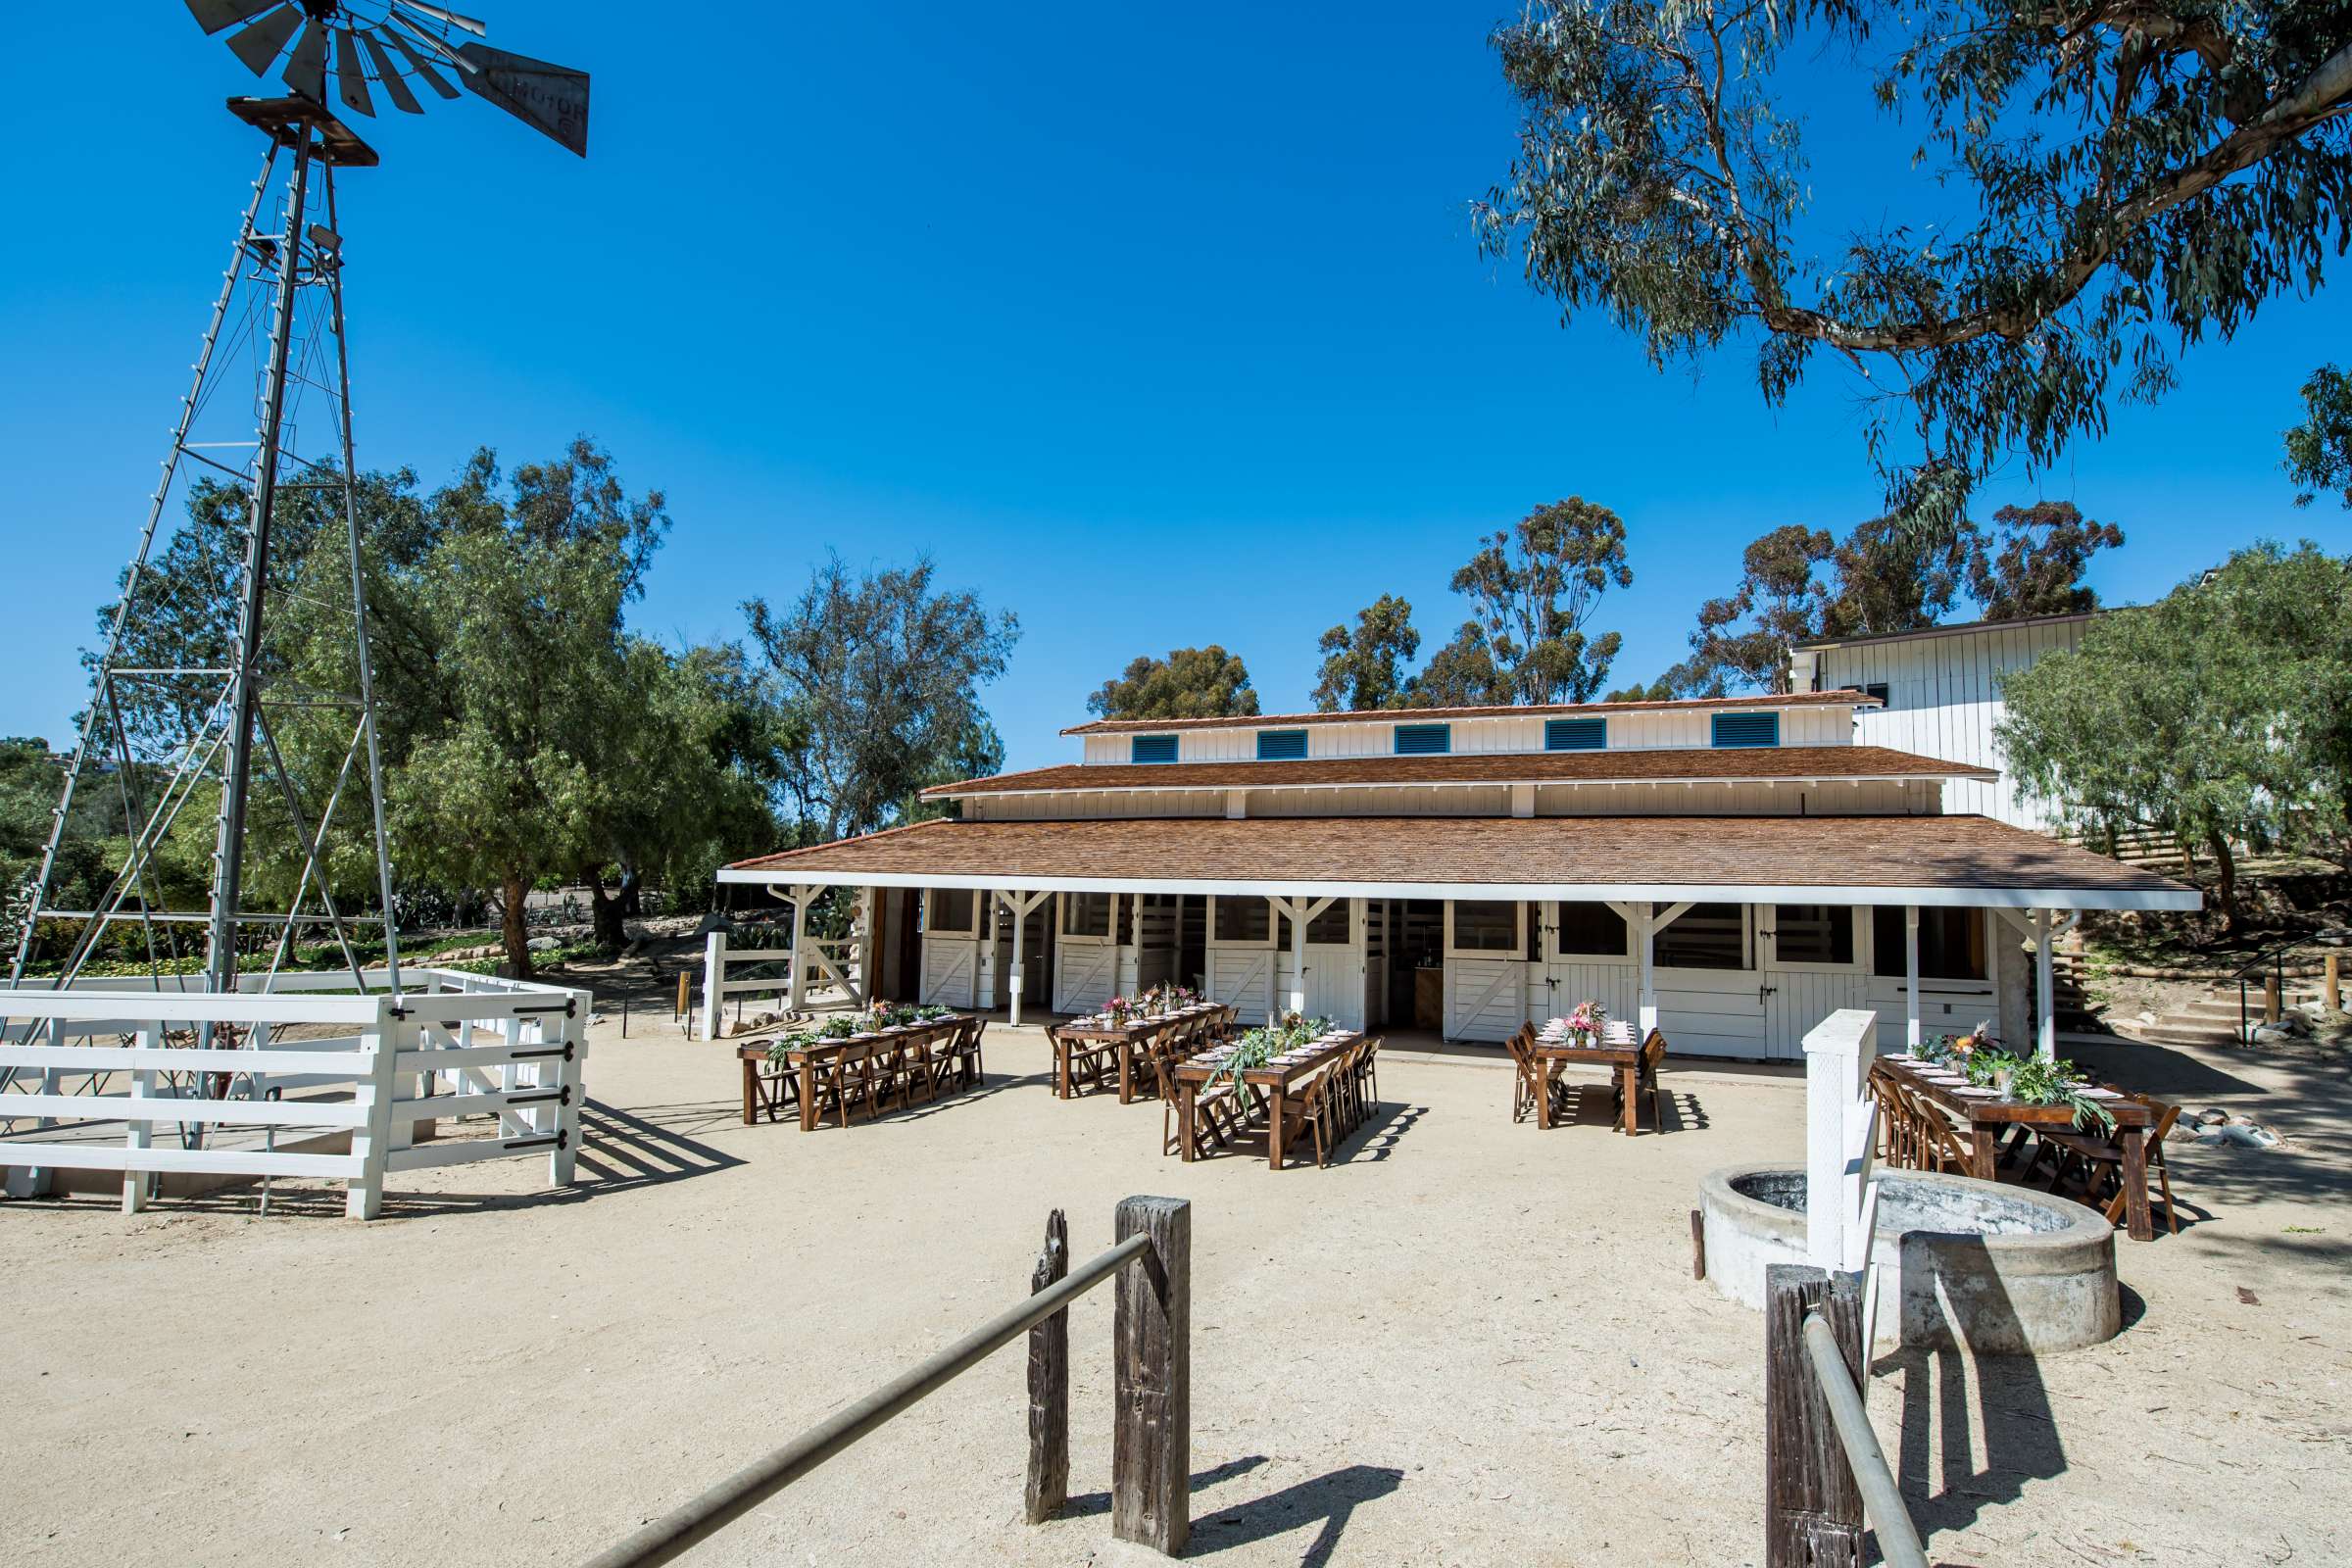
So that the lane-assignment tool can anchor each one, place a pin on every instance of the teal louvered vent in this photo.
(1744, 729)
(1424, 740)
(1152, 749)
(1575, 734)
(1280, 745)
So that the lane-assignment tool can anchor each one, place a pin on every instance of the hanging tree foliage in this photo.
(2130, 175)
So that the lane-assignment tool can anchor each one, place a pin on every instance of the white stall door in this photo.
(1085, 975)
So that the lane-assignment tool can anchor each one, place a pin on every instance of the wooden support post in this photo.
(1049, 1484)
(1299, 955)
(2272, 1002)
(2331, 984)
(1698, 1244)
(2045, 1000)
(797, 998)
(685, 1007)
(1812, 1505)
(1911, 976)
(1648, 937)
(1151, 1439)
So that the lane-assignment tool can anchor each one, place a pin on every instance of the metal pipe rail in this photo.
(684, 1526)
(1882, 1498)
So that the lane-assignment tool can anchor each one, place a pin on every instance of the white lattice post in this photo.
(139, 1133)
(715, 978)
(797, 1000)
(1911, 976)
(1838, 1057)
(1021, 906)
(2045, 1005)
(371, 1141)
(572, 1086)
(1648, 937)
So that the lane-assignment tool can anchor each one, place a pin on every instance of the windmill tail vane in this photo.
(368, 47)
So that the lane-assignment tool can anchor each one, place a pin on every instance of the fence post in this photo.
(2332, 983)
(371, 1142)
(1812, 1505)
(683, 1012)
(1048, 1484)
(139, 1133)
(1151, 1439)
(714, 977)
(571, 1084)
(1837, 1056)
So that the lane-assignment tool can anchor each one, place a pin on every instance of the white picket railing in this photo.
(448, 1045)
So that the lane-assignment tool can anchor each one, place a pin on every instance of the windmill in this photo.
(278, 504)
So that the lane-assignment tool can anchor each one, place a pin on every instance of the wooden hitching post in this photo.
(1048, 1486)
(1812, 1507)
(1150, 1440)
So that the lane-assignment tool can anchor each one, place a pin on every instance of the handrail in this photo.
(684, 1526)
(2272, 957)
(1881, 1499)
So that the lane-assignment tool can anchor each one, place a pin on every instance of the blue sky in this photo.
(1154, 328)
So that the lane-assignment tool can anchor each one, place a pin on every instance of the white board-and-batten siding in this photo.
(1806, 724)
(1702, 797)
(1943, 699)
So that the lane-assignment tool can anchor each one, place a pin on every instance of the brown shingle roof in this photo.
(1963, 854)
(1423, 715)
(1725, 766)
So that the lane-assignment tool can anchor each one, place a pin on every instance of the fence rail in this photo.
(512, 1049)
(1152, 1261)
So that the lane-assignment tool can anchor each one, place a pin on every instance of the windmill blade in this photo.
(454, 19)
(214, 15)
(552, 98)
(351, 77)
(424, 72)
(420, 37)
(261, 43)
(387, 76)
(305, 70)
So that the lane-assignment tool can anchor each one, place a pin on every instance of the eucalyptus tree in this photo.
(882, 672)
(1190, 683)
(1365, 667)
(1534, 586)
(2103, 185)
(2319, 451)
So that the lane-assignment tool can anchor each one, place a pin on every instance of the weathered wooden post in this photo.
(1048, 1486)
(1812, 1505)
(2272, 1001)
(2332, 983)
(1151, 1431)
(684, 1011)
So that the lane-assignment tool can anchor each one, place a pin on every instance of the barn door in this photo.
(1335, 969)
(1085, 975)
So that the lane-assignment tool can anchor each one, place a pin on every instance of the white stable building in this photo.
(1732, 870)
(1939, 693)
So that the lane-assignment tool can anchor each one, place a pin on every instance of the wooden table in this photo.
(1987, 1115)
(805, 1060)
(1617, 1050)
(1098, 1030)
(1275, 1079)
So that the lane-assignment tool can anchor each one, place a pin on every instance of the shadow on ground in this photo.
(1331, 1498)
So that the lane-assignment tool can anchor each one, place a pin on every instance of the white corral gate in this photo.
(448, 1046)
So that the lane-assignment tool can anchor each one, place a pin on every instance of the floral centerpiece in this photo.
(1116, 1010)
(1585, 1023)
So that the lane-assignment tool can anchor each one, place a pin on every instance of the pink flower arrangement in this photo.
(1585, 1022)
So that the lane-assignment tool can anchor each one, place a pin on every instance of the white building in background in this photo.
(1941, 688)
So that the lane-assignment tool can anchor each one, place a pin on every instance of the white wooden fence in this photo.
(1842, 1129)
(448, 1046)
(836, 961)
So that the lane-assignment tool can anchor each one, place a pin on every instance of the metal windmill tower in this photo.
(280, 531)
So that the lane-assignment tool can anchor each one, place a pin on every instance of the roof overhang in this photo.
(1961, 861)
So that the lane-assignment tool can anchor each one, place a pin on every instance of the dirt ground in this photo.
(1464, 1343)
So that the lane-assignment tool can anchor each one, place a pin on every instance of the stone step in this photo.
(2173, 1034)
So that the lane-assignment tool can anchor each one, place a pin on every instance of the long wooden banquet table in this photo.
(1097, 1029)
(1617, 1049)
(804, 1060)
(1276, 1079)
(1985, 1116)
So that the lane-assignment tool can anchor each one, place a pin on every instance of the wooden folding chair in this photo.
(1531, 1078)
(2098, 1164)
(776, 1090)
(1646, 1082)
(1312, 1111)
(1218, 1113)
